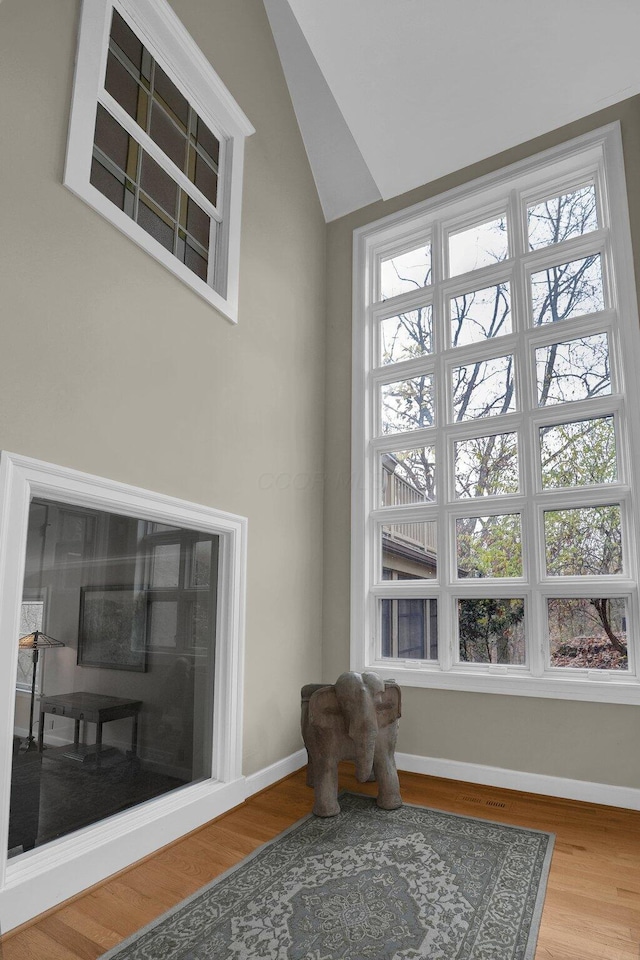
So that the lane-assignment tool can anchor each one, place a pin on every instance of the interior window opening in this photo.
(114, 690)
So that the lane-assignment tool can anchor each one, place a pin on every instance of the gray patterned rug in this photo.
(368, 884)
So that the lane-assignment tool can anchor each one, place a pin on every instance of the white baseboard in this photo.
(50, 739)
(564, 788)
(264, 778)
(582, 790)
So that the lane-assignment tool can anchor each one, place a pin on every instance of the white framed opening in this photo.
(495, 349)
(39, 878)
(156, 143)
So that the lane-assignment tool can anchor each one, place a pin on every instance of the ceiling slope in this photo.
(342, 178)
(426, 87)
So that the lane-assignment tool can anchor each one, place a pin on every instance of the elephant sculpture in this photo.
(356, 718)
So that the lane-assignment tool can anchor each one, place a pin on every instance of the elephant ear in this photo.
(324, 707)
(388, 707)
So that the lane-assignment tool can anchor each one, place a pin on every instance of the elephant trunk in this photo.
(357, 699)
(365, 744)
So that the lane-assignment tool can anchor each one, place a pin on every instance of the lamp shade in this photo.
(38, 641)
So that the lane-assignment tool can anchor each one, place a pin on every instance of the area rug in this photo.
(368, 884)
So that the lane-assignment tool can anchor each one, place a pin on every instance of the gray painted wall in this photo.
(110, 365)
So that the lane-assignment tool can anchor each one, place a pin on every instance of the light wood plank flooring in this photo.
(592, 908)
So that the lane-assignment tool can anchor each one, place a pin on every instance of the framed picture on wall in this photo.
(112, 628)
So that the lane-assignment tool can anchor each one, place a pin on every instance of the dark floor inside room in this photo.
(54, 793)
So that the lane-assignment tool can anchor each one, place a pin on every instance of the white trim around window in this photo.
(40, 878)
(420, 269)
(171, 47)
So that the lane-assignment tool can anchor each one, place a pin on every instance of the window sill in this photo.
(596, 689)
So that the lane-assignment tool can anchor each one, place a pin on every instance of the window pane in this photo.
(480, 315)
(483, 389)
(561, 218)
(405, 271)
(162, 200)
(172, 100)
(126, 654)
(491, 631)
(583, 541)
(409, 629)
(406, 335)
(205, 179)
(112, 187)
(194, 260)
(126, 40)
(588, 633)
(487, 466)
(407, 404)
(201, 560)
(489, 546)
(579, 453)
(194, 220)
(155, 225)
(206, 140)
(165, 567)
(114, 167)
(126, 90)
(163, 623)
(408, 476)
(111, 138)
(159, 185)
(178, 131)
(200, 622)
(168, 137)
(573, 370)
(409, 551)
(569, 290)
(479, 246)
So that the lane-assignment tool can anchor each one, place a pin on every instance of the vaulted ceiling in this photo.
(391, 94)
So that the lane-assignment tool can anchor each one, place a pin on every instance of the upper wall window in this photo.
(156, 143)
(496, 349)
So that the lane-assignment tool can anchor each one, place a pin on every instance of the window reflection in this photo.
(123, 711)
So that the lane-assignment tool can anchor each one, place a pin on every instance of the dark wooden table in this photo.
(94, 708)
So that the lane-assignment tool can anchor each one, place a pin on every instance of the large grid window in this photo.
(495, 398)
(156, 143)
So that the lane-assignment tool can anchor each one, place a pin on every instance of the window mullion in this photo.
(444, 468)
(527, 451)
(157, 154)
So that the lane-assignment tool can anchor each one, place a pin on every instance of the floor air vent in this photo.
(496, 804)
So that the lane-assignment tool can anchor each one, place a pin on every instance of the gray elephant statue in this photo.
(356, 718)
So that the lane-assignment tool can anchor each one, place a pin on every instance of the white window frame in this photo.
(39, 879)
(595, 157)
(162, 33)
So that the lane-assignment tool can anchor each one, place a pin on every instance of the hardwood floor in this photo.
(591, 912)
